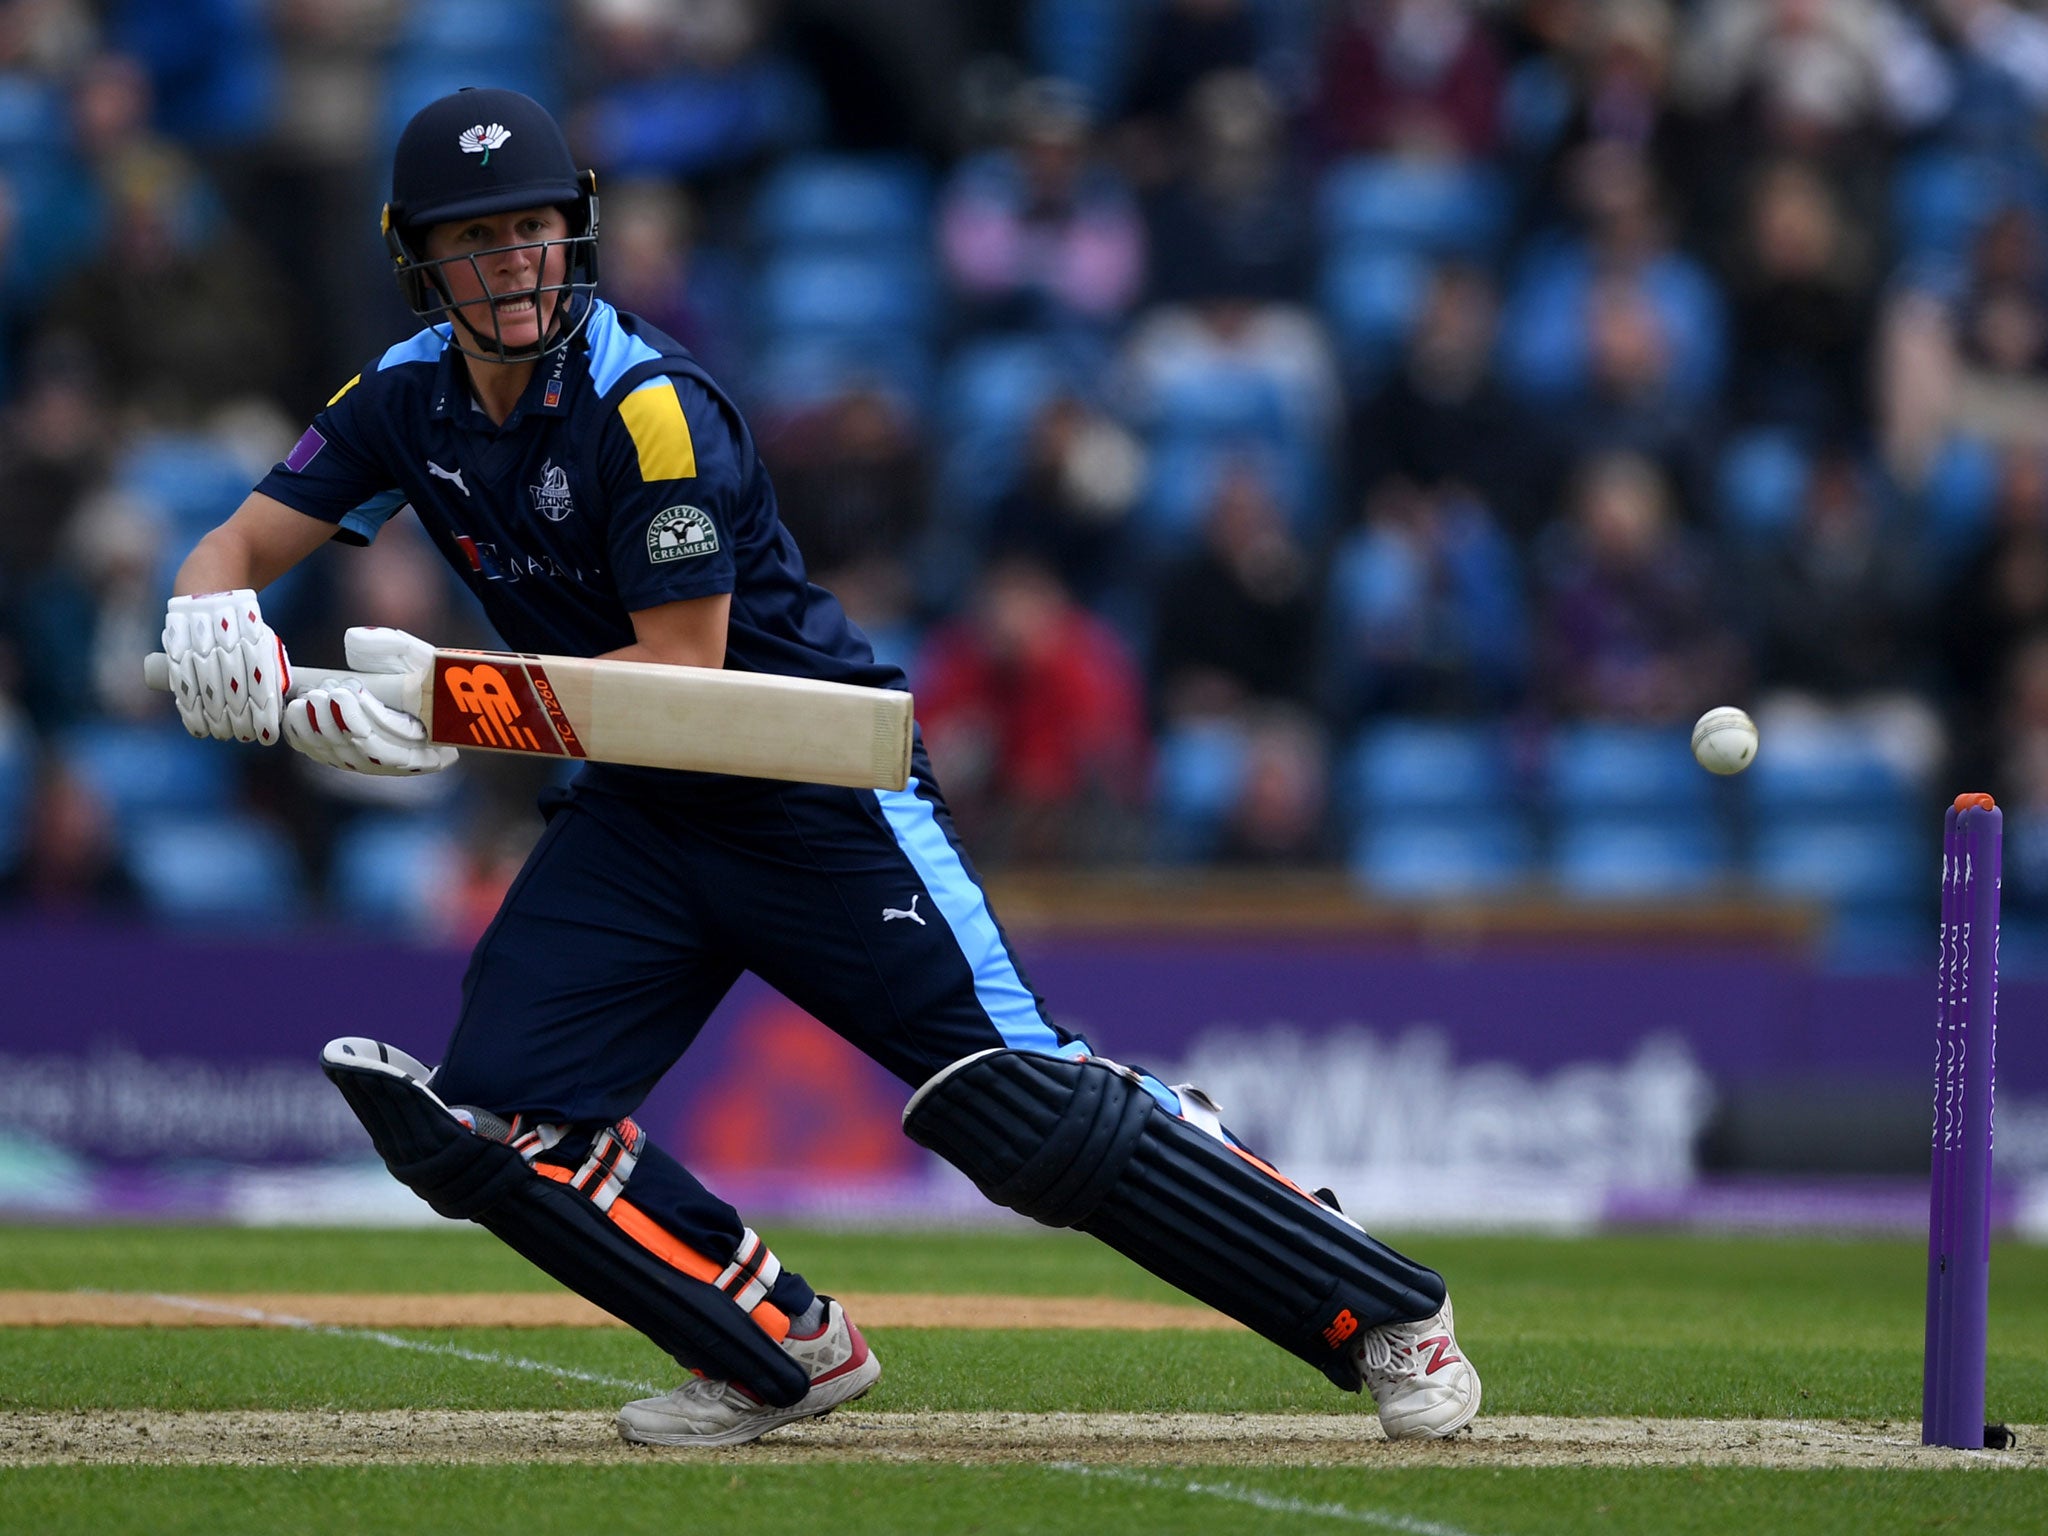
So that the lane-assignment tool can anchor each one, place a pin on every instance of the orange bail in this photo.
(1977, 800)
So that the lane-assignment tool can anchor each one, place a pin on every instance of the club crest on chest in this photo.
(551, 497)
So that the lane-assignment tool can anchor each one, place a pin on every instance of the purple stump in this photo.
(1959, 1209)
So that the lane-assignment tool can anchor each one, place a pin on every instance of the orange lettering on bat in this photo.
(482, 693)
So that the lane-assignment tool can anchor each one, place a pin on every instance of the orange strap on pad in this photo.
(747, 1280)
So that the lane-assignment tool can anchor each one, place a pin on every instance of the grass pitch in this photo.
(1668, 1326)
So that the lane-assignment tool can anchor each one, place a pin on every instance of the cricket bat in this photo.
(645, 714)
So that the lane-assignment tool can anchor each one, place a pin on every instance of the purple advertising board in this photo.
(1567, 1077)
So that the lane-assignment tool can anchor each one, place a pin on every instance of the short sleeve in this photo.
(671, 463)
(329, 474)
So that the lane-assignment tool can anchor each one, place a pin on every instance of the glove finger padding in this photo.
(371, 648)
(344, 727)
(229, 672)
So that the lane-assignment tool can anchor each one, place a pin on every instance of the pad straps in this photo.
(601, 1178)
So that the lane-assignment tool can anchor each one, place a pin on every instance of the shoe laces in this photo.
(1389, 1352)
(711, 1392)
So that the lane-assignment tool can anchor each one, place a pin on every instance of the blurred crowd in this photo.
(1283, 433)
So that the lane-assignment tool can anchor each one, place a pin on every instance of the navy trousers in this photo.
(635, 914)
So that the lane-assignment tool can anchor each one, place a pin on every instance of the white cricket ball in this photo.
(1724, 740)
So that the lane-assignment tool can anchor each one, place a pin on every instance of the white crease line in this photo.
(395, 1341)
(1270, 1501)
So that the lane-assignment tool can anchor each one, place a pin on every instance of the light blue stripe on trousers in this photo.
(997, 986)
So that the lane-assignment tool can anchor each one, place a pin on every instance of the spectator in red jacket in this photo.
(1034, 710)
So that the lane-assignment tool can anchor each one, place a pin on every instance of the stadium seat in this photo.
(1207, 403)
(1085, 42)
(794, 371)
(1445, 855)
(17, 786)
(1186, 472)
(987, 398)
(1624, 769)
(1833, 774)
(391, 871)
(1197, 774)
(1941, 197)
(469, 27)
(1603, 859)
(214, 870)
(845, 203)
(1844, 864)
(1962, 485)
(813, 293)
(149, 770)
(1372, 298)
(193, 480)
(1434, 208)
(1427, 765)
(1761, 483)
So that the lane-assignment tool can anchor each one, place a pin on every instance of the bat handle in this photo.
(400, 690)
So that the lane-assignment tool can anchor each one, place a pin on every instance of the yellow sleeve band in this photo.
(351, 384)
(654, 416)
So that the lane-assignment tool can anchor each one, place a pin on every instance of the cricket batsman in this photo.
(602, 497)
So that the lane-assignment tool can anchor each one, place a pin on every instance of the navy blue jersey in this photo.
(624, 479)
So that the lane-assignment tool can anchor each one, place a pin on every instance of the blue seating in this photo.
(797, 370)
(1208, 403)
(840, 293)
(1432, 208)
(845, 203)
(149, 770)
(1844, 864)
(1761, 484)
(193, 480)
(469, 27)
(1086, 42)
(390, 871)
(1422, 766)
(1372, 298)
(1624, 769)
(1196, 778)
(1186, 472)
(194, 870)
(987, 399)
(17, 788)
(1443, 855)
(1832, 774)
(1962, 486)
(1942, 197)
(1600, 858)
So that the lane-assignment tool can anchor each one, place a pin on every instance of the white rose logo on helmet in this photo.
(481, 140)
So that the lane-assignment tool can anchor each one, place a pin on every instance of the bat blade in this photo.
(650, 715)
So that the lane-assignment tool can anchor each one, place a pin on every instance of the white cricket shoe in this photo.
(1424, 1385)
(706, 1412)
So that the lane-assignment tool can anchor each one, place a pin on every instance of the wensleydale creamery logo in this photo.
(481, 140)
(677, 533)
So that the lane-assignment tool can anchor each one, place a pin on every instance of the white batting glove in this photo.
(345, 727)
(229, 672)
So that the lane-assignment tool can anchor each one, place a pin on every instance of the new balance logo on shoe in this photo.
(890, 914)
(1442, 1353)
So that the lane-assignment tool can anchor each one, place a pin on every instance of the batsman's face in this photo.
(505, 279)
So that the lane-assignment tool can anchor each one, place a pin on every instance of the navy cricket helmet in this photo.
(483, 151)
